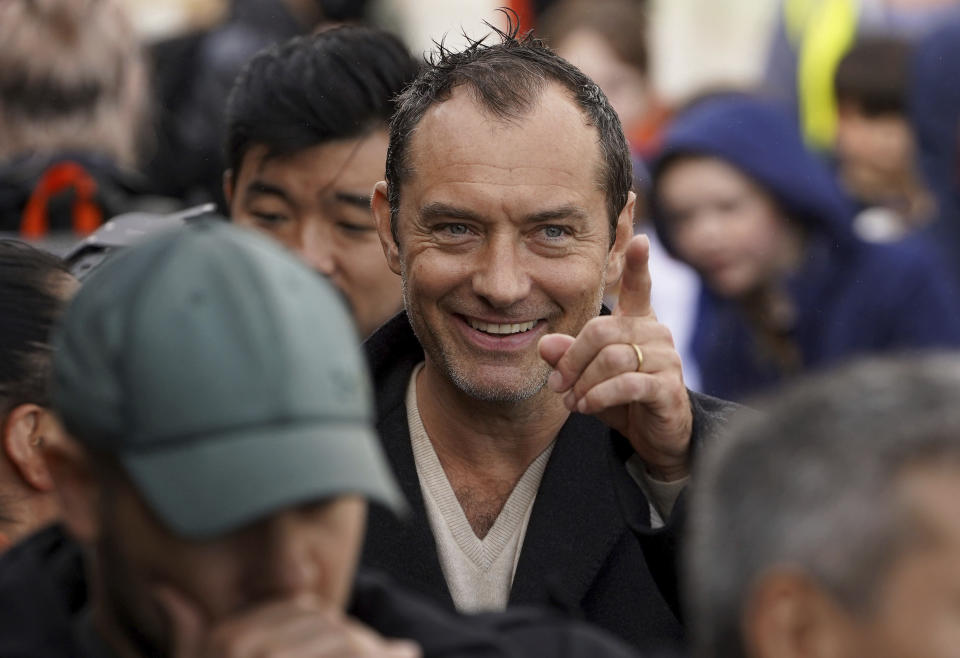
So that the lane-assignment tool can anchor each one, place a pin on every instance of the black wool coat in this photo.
(588, 550)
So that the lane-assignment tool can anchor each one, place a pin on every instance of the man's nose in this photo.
(291, 564)
(501, 277)
(315, 247)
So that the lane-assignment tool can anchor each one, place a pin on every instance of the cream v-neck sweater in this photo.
(479, 572)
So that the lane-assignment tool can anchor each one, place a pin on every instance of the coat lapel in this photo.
(403, 547)
(576, 519)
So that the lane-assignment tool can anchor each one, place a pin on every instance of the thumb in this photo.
(185, 622)
(552, 347)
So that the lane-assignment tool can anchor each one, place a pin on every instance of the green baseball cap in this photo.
(224, 375)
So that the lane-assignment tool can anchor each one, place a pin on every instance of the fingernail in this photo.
(570, 400)
(582, 405)
(555, 382)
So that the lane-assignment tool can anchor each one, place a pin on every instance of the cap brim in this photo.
(213, 485)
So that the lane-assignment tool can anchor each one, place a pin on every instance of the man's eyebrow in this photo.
(441, 210)
(358, 200)
(260, 188)
(438, 209)
(558, 213)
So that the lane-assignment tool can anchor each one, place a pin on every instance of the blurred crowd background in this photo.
(868, 86)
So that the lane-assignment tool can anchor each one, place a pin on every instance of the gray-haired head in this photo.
(812, 485)
(506, 79)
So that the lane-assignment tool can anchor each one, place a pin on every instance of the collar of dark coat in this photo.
(576, 520)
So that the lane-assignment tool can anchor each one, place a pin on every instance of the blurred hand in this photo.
(597, 372)
(292, 629)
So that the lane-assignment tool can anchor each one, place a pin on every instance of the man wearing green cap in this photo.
(215, 471)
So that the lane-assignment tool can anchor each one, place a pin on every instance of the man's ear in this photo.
(622, 237)
(22, 442)
(228, 187)
(77, 486)
(788, 615)
(380, 205)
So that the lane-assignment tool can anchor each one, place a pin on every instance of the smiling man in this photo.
(306, 142)
(529, 435)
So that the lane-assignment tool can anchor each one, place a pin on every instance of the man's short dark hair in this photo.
(338, 84)
(874, 76)
(506, 79)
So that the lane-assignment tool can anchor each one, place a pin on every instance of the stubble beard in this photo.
(460, 375)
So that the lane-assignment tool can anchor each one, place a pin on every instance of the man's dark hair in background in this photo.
(831, 519)
(875, 145)
(506, 80)
(874, 75)
(33, 289)
(306, 141)
(310, 90)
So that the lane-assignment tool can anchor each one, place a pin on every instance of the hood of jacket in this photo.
(760, 140)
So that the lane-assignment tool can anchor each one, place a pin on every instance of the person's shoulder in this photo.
(913, 253)
(904, 270)
(392, 351)
(395, 612)
(41, 587)
(710, 415)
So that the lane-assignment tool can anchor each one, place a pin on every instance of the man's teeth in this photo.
(491, 328)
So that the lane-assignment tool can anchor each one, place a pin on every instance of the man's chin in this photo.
(500, 387)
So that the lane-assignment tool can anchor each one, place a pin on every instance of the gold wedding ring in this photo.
(636, 348)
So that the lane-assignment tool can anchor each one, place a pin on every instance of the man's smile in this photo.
(501, 328)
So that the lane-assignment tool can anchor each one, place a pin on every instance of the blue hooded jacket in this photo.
(849, 297)
(934, 103)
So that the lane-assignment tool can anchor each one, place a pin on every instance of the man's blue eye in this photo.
(554, 231)
(457, 229)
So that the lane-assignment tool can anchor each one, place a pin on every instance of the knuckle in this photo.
(601, 330)
(666, 335)
(673, 361)
(610, 359)
(636, 386)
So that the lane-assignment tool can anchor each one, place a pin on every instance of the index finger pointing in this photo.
(634, 299)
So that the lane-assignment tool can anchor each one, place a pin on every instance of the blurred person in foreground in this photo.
(214, 475)
(34, 285)
(303, 157)
(787, 284)
(72, 106)
(529, 435)
(875, 149)
(827, 527)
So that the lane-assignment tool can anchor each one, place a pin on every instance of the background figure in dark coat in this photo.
(935, 112)
(787, 285)
(72, 105)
